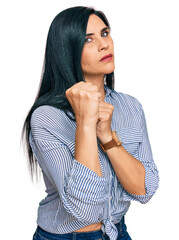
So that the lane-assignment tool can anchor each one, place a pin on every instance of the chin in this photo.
(109, 70)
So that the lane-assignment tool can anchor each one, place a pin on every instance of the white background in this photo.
(146, 38)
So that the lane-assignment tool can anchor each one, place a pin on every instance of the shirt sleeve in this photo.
(151, 172)
(81, 190)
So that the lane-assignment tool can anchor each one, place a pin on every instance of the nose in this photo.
(103, 44)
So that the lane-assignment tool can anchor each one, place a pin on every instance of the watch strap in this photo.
(112, 143)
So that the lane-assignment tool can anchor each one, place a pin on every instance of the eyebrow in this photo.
(104, 29)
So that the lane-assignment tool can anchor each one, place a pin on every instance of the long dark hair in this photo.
(62, 65)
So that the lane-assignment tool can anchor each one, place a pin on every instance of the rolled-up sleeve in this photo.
(151, 172)
(82, 191)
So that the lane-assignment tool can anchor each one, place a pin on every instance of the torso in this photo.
(92, 227)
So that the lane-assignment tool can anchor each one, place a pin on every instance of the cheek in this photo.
(87, 59)
(111, 45)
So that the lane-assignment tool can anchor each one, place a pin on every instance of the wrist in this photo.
(85, 126)
(86, 123)
(114, 142)
(106, 138)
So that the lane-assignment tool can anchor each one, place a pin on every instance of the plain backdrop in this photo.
(146, 41)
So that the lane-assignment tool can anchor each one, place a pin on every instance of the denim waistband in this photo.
(79, 235)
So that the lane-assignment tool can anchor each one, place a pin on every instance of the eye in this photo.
(87, 40)
(105, 34)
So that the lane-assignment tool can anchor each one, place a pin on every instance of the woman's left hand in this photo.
(103, 126)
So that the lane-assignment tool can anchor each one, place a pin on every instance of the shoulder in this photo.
(43, 114)
(47, 115)
(128, 110)
(127, 101)
(50, 123)
(47, 123)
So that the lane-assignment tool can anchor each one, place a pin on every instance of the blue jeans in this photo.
(40, 234)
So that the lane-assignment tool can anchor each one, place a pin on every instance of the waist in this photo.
(78, 235)
(92, 227)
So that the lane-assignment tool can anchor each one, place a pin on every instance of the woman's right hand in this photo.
(84, 98)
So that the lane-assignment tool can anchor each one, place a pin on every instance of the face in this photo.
(98, 44)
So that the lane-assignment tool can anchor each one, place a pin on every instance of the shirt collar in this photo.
(109, 92)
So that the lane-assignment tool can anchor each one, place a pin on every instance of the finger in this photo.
(105, 111)
(103, 116)
(106, 108)
(107, 105)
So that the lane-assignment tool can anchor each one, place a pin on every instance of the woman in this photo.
(90, 141)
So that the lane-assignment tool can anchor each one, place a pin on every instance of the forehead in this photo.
(95, 24)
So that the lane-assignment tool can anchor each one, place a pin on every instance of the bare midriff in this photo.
(92, 227)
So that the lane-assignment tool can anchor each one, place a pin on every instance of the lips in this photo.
(106, 57)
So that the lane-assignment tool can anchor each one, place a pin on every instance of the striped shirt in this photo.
(76, 195)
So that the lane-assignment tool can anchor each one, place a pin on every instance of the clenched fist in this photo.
(84, 99)
(89, 109)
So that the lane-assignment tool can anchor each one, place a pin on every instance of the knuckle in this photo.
(74, 91)
(88, 85)
(111, 107)
(67, 92)
(98, 94)
(82, 94)
(80, 83)
(89, 95)
(95, 87)
(108, 115)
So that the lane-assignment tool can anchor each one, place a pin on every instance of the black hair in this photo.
(62, 65)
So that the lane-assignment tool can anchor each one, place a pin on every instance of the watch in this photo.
(116, 141)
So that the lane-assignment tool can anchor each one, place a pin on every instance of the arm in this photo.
(129, 171)
(81, 190)
(86, 149)
(145, 156)
(138, 175)
(84, 99)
